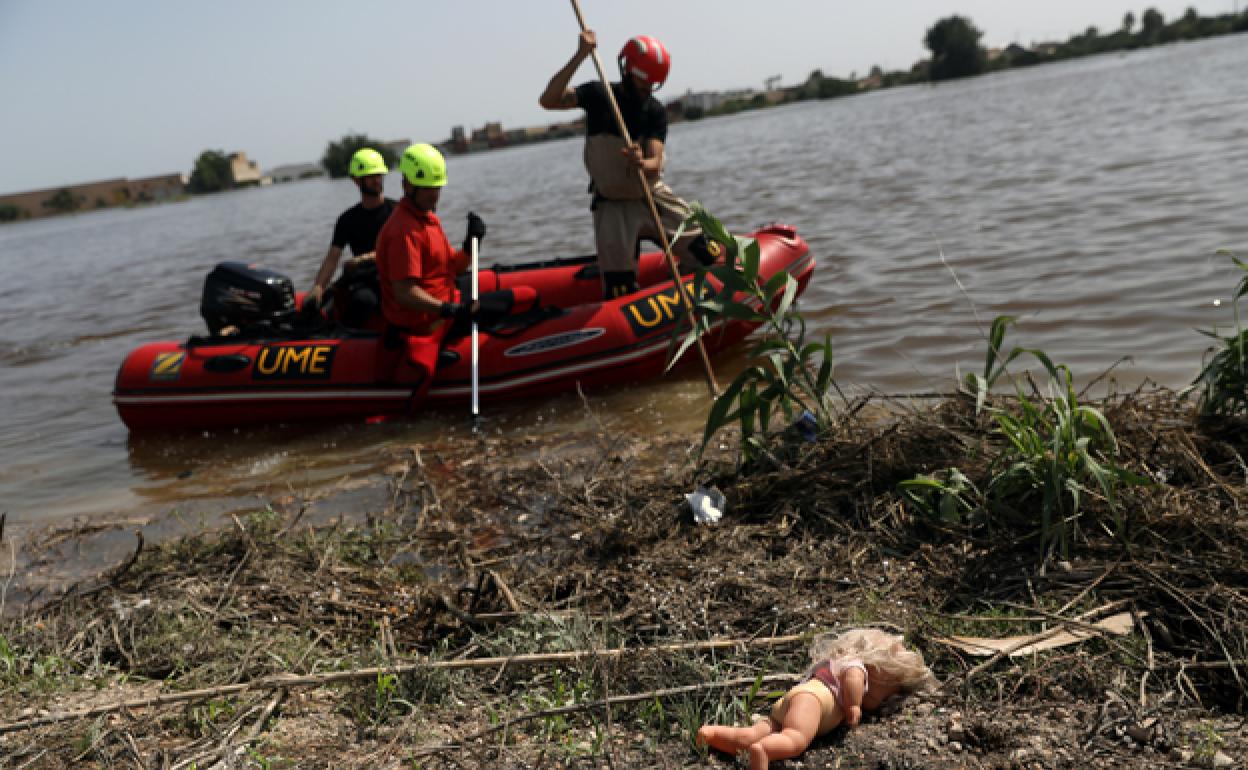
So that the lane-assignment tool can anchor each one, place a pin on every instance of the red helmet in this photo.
(646, 58)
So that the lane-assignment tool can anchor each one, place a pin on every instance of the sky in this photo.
(98, 89)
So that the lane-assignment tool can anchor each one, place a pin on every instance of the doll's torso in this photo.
(876, 689)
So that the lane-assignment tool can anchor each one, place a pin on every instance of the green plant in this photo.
(1055, 452)
(1223, 381)
(203, 719)
(263, 762)
(558, 693)
(1207, 745)
(947, 495)
(1056, 449)
(787, 374)
(994, 363)
(8, 660)
(378, 704)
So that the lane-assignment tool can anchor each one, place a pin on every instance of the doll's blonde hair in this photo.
(884, 654)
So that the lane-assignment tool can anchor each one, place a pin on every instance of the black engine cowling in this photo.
(241, 295)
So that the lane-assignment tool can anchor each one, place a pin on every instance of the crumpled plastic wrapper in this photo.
(707, 505)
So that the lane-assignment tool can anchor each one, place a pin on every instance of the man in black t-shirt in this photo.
(622, 218)
(357, 227)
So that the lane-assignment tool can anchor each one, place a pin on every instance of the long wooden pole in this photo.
(654, 210)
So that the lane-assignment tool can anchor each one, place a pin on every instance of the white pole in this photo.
(476, 355)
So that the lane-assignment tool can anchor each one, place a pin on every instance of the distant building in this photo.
(493, 136)
(872, 81)
(709, 100)
(295, 171)
(490, 135)
(244, 172)
(458, 141)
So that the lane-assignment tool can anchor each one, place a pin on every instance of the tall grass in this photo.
(1054, 453)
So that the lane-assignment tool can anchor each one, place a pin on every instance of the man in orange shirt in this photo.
(415, 261)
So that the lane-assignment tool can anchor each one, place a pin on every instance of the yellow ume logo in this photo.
(656, 311)
(294, 362)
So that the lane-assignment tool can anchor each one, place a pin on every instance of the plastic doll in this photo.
(851, 673)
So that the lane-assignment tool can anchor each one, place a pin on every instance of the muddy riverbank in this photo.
(562, 609)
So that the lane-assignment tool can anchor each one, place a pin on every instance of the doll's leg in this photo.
(801, 722)
(730, 740)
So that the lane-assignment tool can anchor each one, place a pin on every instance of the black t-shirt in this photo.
(359, 226)
(645, 118)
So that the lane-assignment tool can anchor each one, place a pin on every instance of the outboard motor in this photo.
(241, 295)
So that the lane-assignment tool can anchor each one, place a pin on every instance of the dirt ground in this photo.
(556, 606)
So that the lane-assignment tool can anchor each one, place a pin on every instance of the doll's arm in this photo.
(853, 686)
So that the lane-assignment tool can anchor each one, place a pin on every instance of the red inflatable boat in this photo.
(334, 374)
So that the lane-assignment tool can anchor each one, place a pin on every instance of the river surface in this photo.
(1088, 198)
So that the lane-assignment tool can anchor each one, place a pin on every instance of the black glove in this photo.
(460, 312)
(311, 307)
(476, 229)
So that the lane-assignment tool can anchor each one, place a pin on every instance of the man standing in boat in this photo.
(357, 227)
(622, 218)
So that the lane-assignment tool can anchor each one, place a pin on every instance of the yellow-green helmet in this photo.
(423, 166)
(366, 162)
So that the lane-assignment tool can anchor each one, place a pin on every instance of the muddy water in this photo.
(1088, 198)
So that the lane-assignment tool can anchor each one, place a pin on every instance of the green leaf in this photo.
(721, 414)
(766, 345)
(824, 380)
(737, 311)
(790, 293)
(775, 284)
(996, 337)
(676, 351)
(712, 228)
(751, 257)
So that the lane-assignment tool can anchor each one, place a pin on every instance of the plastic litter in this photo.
(707, 505)
(807, 427)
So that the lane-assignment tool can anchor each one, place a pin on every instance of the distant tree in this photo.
(9, 213)
(1128, 22)
(63, 200)
(956, 52)
(831, 88)
(810, 89)
(1151, 25)
(211, 173)
(1187, 27)
(337, 157)
(694, 112)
